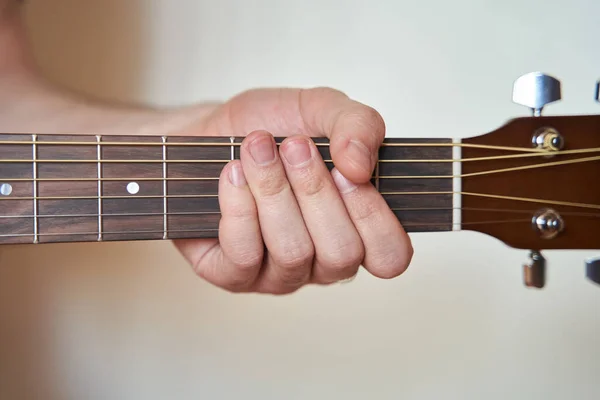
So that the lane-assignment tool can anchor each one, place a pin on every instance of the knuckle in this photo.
(244, 269)
(345, 261)
(292, 280)
(242, 212)
(294, 266)
(367, 212)
(248, 261)
(296, 258)
(238, 285)
(372, 123)
(372, 119)
(312, 185)
(272, 185)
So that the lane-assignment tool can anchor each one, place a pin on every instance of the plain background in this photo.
(131, 321)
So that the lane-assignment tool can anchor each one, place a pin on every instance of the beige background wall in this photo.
(130, 321)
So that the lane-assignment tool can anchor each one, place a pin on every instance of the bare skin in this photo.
(286, 220)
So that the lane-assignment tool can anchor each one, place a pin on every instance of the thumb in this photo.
(355, 130)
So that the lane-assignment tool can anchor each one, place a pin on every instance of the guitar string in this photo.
(438, 225)
(228, 144)
(384, 177)
(218, 213)
(216, 161)
(465, 175)
(214, 196)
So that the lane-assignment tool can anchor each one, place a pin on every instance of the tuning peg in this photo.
(534, 273)
(597, 95)
(592, 270)
(536, 90)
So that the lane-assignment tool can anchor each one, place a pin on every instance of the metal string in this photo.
(200, 196)
(216, 230)
(529, 153)
(202, 213)
(397, 161)
(229, 144)
(479, 173)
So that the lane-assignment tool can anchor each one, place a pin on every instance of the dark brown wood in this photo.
(195, 217)
(417, 212)
(574, 183)
(125, 216)
(67, 220)
(17, 219)
(69, 196)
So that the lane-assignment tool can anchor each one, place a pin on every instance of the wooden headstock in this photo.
(553, 184)
(544, 193)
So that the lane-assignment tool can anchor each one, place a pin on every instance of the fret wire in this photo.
(232, 140)
(164, 173)
(35, 189)
(99, 156)
(319, 144)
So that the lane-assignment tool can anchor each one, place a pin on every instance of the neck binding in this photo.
(83, 188)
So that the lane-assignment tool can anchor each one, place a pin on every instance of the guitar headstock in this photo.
(534, 182)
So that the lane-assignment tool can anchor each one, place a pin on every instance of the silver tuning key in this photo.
(536, 90)
(534, 273)
(592, 270)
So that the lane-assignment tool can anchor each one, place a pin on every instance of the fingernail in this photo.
(236, 175)
(262, 150)
(343, 184)
(359, 153)
(297, 151)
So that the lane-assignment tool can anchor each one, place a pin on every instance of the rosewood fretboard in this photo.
(115, 188)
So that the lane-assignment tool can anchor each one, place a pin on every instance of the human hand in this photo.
(286, 220)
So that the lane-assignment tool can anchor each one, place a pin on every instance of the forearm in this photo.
(29, 103)
(33, 105)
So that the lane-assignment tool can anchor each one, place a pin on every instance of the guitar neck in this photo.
(83, 188)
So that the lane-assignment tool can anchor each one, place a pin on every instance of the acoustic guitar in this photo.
(532, 183)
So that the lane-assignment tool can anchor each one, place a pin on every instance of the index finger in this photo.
(355, 130)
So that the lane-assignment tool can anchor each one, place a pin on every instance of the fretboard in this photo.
(84, 188)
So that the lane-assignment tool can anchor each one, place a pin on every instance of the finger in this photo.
(289, 245)
(355, 130)
(338, 246)
(234, 262)
(388, 248)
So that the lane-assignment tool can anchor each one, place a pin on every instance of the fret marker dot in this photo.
(5, 189)
(133, 188)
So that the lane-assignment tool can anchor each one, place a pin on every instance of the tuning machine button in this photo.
(592, 270)
(548, 223)
(535, 90)
(534, 272)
